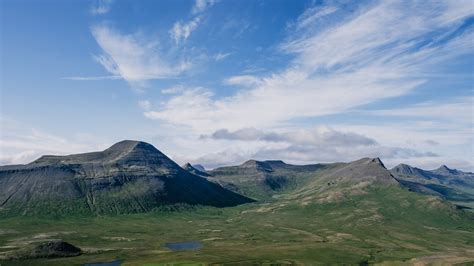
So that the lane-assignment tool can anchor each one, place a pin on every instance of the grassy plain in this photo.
(385, 225)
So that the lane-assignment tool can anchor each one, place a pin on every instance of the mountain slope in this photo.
(343, 180)
(451, 184)
(343, 213)
(130, 176)
(265, 179)
(262, 179)
(192, 169)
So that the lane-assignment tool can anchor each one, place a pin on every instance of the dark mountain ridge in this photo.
(130, 176)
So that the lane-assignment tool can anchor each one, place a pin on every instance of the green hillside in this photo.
(353, 213)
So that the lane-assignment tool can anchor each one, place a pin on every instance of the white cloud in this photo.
(295, 147)
(173, 90)
(371, 56)
(243, 80)
(19, 157)
(21, 143)
(380, 51)
(181, 31)
(101, 7)
(321, 135)
(311, 15)
(461, 110)
(221, 56)
(133, 58)
(201, 5)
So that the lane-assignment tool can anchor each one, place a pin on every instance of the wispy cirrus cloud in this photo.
(221, 56)
(460, 110)
(371, 55)
(381, 50)
(201, 5)
(311, 15)
(133, 58)
(243, 80)
(101, 7)
(181, 30)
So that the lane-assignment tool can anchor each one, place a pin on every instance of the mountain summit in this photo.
(130, 176)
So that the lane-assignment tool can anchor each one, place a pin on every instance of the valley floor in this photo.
(389, 226)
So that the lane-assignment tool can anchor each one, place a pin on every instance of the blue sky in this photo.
(220, 82)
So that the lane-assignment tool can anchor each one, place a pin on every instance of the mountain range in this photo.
(130, 176)
(451, 184)
(258, 212)
(134, 176)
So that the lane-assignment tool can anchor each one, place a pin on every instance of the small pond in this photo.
(183, 246)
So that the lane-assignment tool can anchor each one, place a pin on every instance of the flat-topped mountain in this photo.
(130, 176)
(452, 184)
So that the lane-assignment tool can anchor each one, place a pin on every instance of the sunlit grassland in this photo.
(389, 224)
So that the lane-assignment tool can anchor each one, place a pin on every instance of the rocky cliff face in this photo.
(130, 176)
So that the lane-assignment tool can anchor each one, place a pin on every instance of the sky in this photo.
(218, 82)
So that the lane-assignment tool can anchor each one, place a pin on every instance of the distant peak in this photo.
(368, 160)
(195, 170)
(444, 169)
(403, 167)
(199, 167)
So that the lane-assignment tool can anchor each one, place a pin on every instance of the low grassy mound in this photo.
(48, 249)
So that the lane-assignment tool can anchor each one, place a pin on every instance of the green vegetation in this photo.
(351, 213)
(384, 224)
